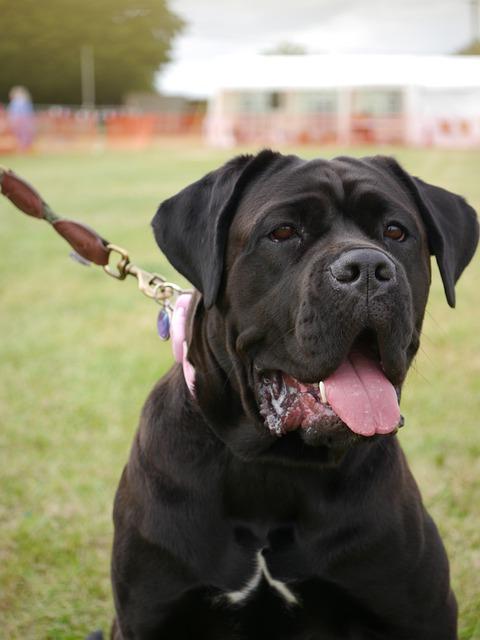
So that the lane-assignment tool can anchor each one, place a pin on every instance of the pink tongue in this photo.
(362, 397)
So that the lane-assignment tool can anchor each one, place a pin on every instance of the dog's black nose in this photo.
(365, 270)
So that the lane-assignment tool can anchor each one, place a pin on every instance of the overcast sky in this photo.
(220, 28)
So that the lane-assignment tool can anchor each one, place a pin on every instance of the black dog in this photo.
(275, 502)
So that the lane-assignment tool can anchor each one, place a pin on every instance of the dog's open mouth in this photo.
(358, 395)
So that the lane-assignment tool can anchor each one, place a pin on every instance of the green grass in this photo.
(79, 353)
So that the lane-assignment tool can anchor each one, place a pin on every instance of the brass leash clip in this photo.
(120, 272)
(150, 284)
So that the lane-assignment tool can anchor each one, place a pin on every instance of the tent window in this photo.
(275, 100)
(249, 102)
(314, 102)
(379, 102)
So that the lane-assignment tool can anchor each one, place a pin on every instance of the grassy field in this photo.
(79, 353)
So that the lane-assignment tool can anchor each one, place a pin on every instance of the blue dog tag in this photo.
(163, 324)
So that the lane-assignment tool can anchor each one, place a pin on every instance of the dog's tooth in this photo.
(323, 392)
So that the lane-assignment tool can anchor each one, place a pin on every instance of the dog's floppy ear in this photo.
(451, 224)
(452, 229)
(191, 228)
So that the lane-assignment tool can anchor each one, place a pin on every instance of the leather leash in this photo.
(89, 247)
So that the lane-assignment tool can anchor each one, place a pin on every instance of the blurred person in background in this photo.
(21, 117)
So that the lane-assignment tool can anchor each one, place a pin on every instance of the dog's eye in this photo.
(395, 232)
(285, 232)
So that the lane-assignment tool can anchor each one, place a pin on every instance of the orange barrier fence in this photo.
(347, 129)
(59, 126)
(316, 128)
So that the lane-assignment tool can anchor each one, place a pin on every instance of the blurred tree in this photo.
(473, 49)
(41, 43)
(286, 49)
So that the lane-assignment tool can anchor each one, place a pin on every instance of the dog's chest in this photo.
(275, 525)
(264, 557)
(261, 573)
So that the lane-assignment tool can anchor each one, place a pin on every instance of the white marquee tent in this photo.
(410, 99)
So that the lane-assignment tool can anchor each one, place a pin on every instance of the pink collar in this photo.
(179, 343)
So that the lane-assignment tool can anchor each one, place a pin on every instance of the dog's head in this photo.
(313, 278)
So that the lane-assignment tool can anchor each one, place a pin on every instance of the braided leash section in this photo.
(90, 247)
(85, 241)
(22, 194)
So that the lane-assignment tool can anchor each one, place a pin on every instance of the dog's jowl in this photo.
(272, 500)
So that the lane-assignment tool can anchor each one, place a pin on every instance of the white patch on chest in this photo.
(237, 597)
